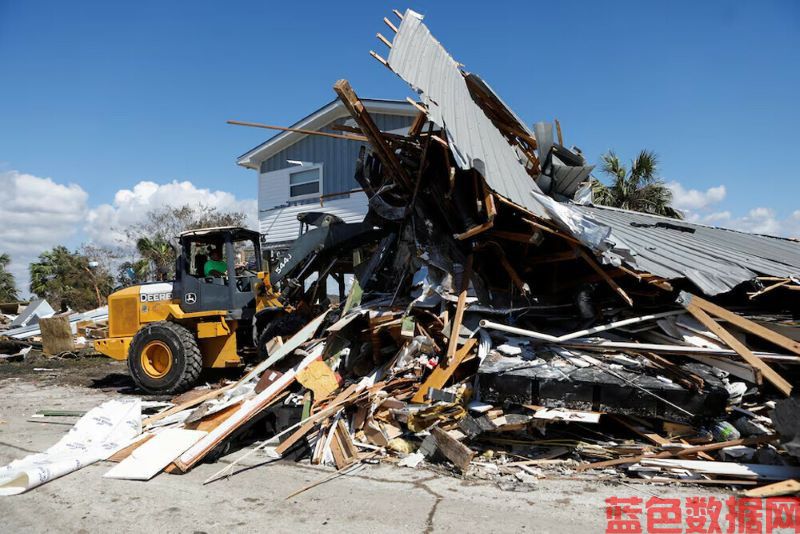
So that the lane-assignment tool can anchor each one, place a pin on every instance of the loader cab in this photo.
(227, 284)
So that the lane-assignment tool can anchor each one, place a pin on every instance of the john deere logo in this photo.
(190, 298)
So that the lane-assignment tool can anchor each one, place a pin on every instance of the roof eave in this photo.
(322, 117)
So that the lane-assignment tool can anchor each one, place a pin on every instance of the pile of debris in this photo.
(506, 327)
(24, 326)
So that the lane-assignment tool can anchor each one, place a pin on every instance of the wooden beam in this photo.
(439, 376)
(360, 138)
(767, 372)
(359, 113)
(608, 280)
(455, 327)
(397, 14)
(745, 324)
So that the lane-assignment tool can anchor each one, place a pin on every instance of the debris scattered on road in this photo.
(504, 330)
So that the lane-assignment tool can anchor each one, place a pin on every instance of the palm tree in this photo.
(8, 287)
(637, 189)
(158, 253)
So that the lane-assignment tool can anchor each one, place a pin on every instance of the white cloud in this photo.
(697, 207)
(758, 220)
(693, 199)
(36, 214)
(106, 222)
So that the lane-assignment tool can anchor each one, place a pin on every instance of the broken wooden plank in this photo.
(455, 326)
(456, 452)
(777, 489)
(766, 371)
(740, 322)
(439, 376)
(152, 457)
(247, 411)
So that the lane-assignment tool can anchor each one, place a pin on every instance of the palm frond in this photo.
(644, 167)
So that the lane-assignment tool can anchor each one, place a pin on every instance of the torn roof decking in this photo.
(715, 259)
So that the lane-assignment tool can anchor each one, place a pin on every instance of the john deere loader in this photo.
(223, 306)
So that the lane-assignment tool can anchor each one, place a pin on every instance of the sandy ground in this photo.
(379, 498)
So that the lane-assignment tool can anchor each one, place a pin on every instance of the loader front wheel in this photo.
(164, 358)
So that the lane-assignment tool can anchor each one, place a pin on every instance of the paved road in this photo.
(380, 498)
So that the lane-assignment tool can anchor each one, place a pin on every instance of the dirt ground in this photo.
(377, 498)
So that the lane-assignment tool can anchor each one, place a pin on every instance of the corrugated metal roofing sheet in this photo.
(714, 259)
(476, 143)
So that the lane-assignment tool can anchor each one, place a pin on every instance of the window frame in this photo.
(305, 168)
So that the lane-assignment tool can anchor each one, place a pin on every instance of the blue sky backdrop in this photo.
(101, 96)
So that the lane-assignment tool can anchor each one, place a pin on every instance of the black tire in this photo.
(185, 360)
(285, 325)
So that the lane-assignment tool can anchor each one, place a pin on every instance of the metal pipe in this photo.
(580, 333)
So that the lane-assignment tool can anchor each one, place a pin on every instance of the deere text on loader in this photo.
(170, 331)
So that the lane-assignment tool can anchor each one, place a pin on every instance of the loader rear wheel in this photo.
(164, 358)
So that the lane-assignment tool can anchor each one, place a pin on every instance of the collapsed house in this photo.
(504, 323)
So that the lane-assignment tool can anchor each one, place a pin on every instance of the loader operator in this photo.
(214, 265)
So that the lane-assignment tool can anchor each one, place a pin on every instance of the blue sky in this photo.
(105, 95)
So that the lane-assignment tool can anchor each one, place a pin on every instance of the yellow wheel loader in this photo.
(223, 306)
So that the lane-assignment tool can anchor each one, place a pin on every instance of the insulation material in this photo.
(97, 435)
(151, 458)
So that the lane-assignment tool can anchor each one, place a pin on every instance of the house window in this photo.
(304, 183)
